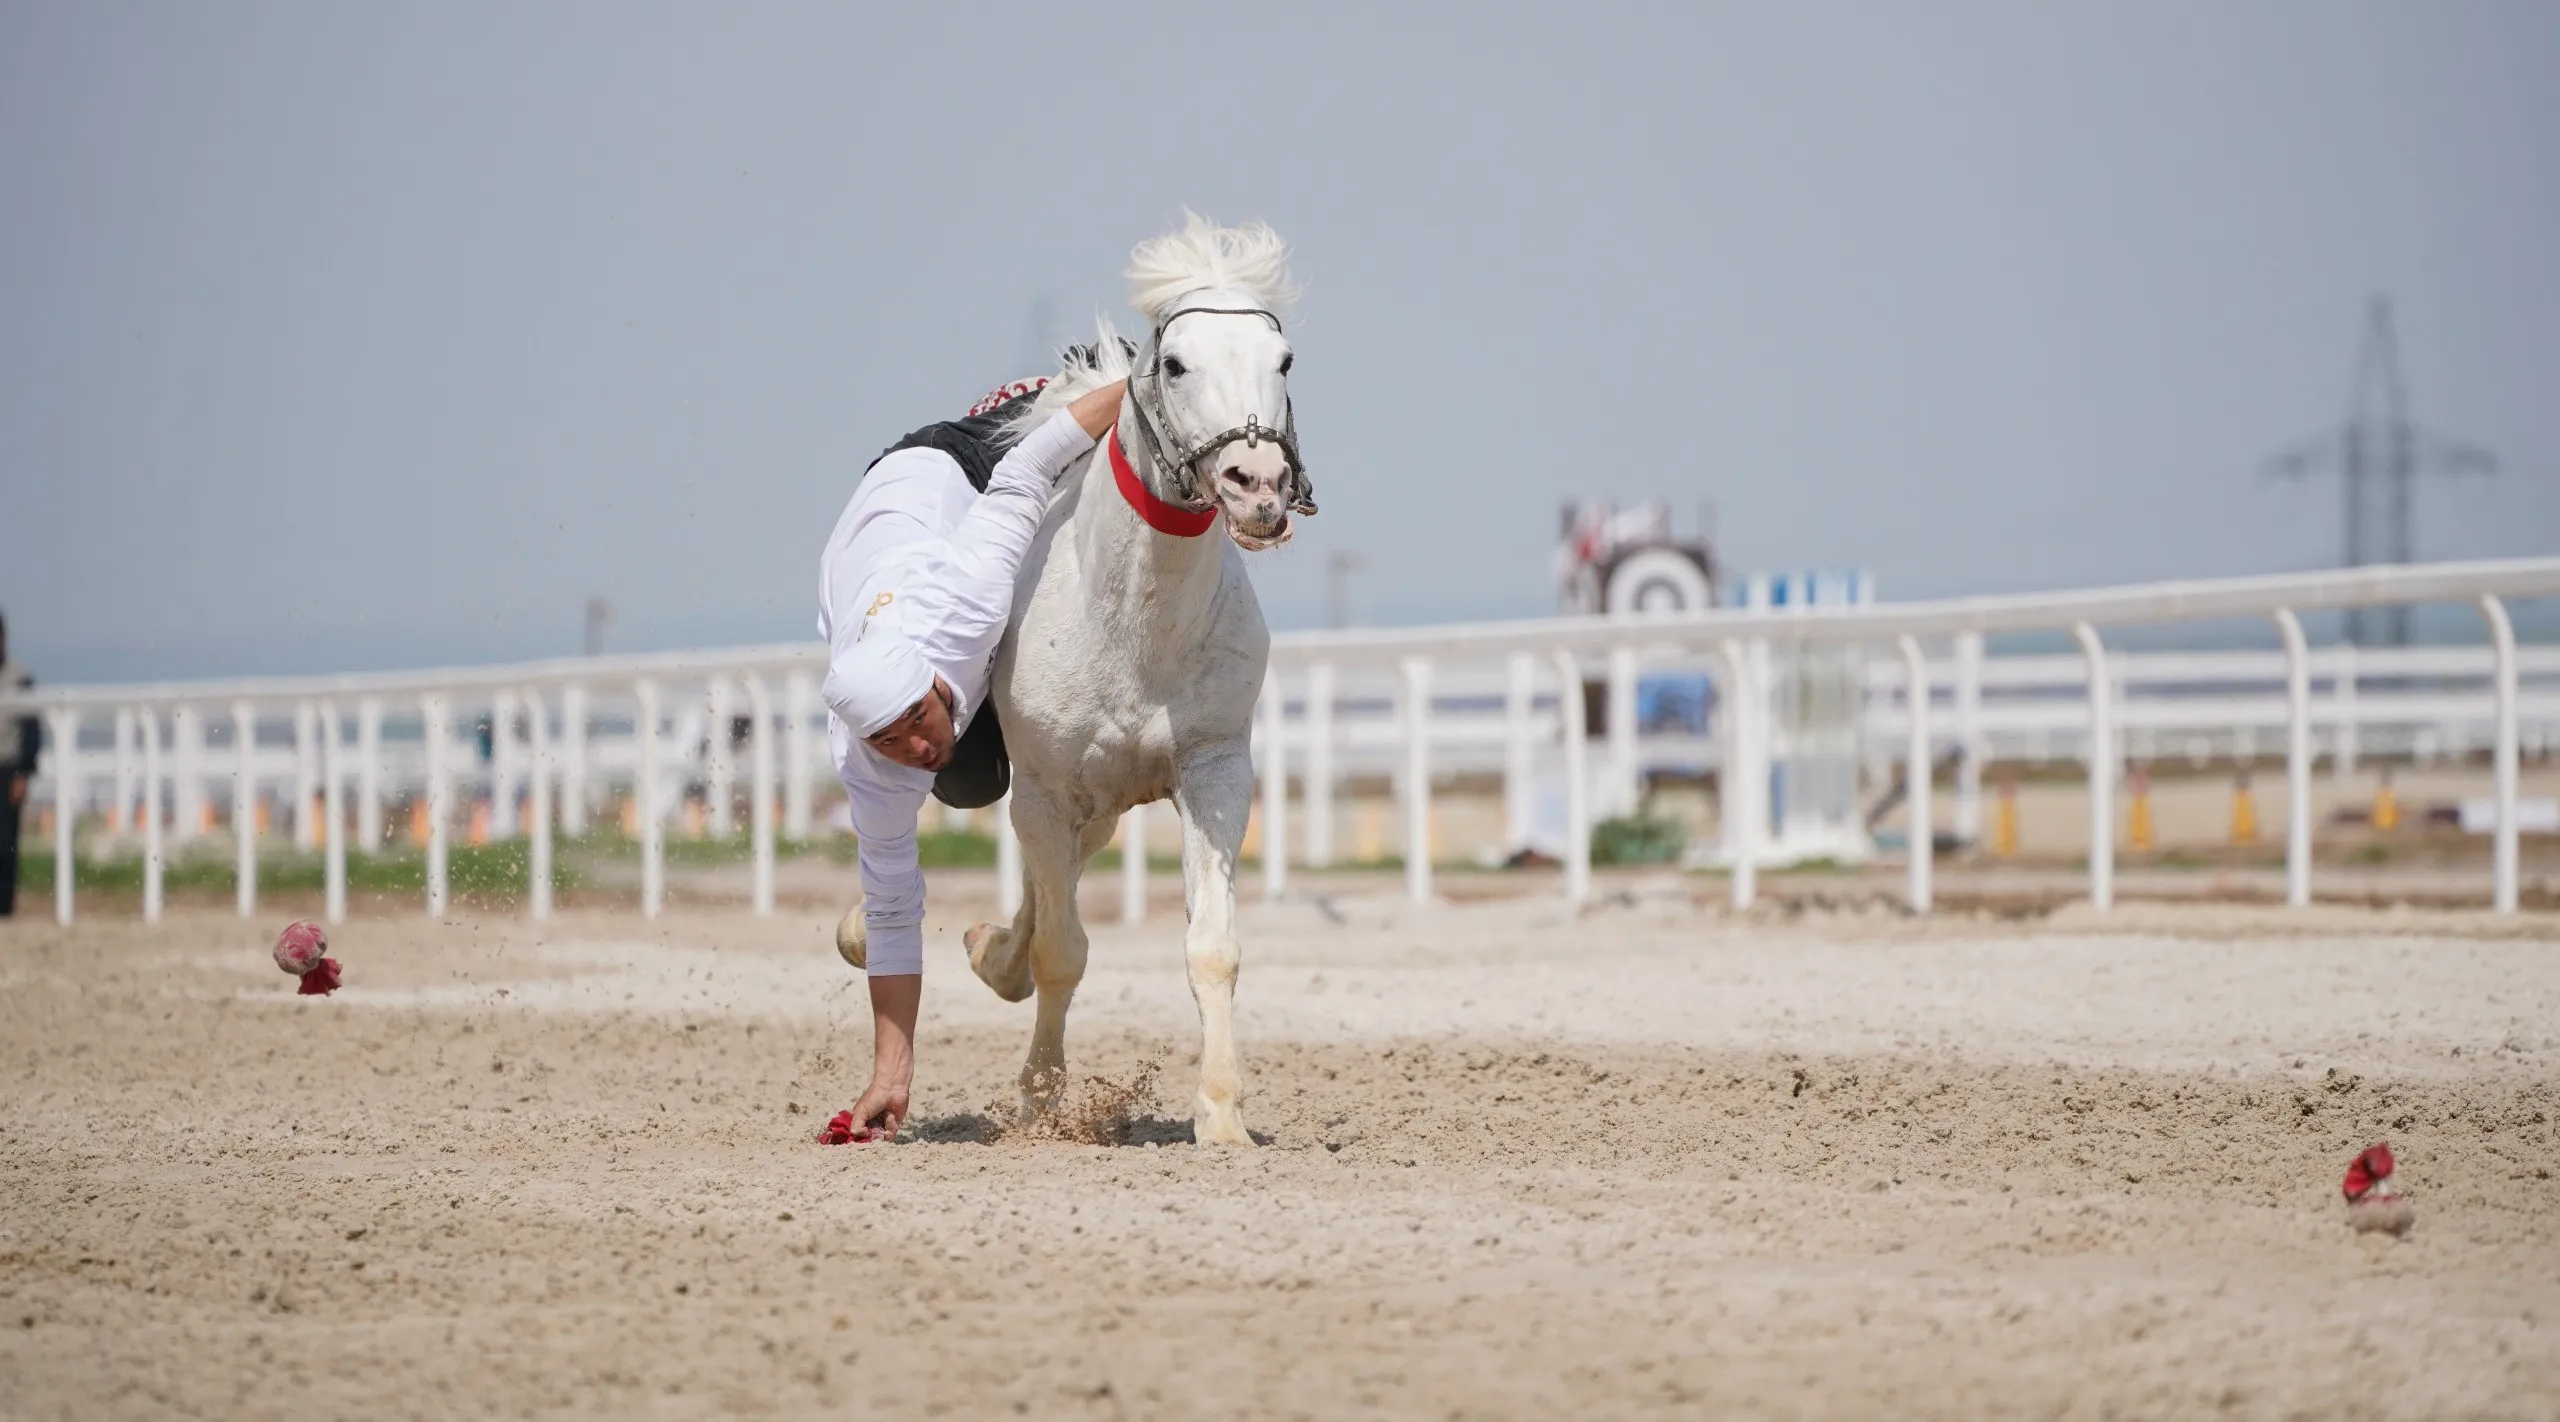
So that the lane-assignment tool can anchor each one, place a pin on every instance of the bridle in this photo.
(1147, 387)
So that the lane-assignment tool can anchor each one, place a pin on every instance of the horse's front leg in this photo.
(1215, 793)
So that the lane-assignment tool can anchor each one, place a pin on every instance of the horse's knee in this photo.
(1213, 959)
(1058, 960)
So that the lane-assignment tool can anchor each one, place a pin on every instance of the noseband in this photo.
(1147, 389)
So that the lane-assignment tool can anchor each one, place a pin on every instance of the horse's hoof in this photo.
(853, 938)
(1218, 1123)
(998, 963)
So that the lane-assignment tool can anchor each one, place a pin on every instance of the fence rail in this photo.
(1413, 703)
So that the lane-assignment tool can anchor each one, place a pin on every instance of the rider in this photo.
(914, 591)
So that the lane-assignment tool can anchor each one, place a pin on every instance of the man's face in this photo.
(921, 739)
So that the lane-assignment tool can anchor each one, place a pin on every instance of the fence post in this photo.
(369, 774)
(1519, 766)
(2502, 756)
(760, 794)
(1970, 746)
(1625, 777)
(1918, 791)
(1417, 779)
(147, 722)
(653, 867)
(1319, 772)
(66, 807)
(244, 807)
(574, 792)
(2102, 769)
(2297, 759)
(435, 716)
(797, 694)
(333, 814)
(1744, 775)
(306, 775)
(1577, 781)
(720, 768)
(506, 767)
(2343, 742)
(186, 780)
(120, 813)
(1275, 787)
(538, 804)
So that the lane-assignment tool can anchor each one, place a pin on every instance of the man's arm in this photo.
(893, 924)
(997, 530)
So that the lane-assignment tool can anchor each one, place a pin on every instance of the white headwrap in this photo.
(878, 681)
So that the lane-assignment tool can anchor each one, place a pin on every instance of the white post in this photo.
(435, 715)
(244, 807)
(506, 769)
(2297, 759)
(306, 775)
(369, 774)
(120, 819)
(1625, 779)
(186, 789)
(760, 792)
(1519, 764)
(1744, 775)
(720, 761)
(1577, 780)
(1008, 860)
(2342, 697)
(333, 814)
(66, 807)
(1133, 865)
(153, 865)
(2102, 769)
(574, 794)
(798, 694)
(538, 808)
(653, 867)
(1417, 780)
(1966, 819)
(1319, 773)
(1275, 788)
(1917, 796)
(2502, 756)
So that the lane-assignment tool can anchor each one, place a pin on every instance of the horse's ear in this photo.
(1128, 348)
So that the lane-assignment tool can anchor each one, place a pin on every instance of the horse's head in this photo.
(1212, 387)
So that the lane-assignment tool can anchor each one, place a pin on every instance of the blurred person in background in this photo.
(18, 741)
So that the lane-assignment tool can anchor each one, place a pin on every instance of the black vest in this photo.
(971, 442)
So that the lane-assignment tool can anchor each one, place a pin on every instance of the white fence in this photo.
(1415, 703)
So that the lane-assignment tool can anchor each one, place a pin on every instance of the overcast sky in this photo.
(377, 335)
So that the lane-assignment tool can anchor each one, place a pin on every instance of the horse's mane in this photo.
(1198, 256)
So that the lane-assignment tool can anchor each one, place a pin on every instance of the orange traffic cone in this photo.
(2138, 834)
(2244, 811)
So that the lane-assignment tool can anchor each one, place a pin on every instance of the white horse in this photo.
(1136, 652)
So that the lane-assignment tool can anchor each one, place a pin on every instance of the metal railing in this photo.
(1367, 698)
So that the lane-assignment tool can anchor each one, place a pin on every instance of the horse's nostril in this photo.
(1236, 476)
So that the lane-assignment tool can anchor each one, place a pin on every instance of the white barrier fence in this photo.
(555, 738)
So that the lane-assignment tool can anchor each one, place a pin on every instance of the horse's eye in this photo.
(1173, 368)
(1288, 360)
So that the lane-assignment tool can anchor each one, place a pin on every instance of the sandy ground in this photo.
(1651, 1161)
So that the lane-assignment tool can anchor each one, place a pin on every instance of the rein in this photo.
(1181, 473)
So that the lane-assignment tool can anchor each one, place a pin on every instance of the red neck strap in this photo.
(1160, 516)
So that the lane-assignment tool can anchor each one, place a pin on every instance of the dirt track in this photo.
(1655, 1161)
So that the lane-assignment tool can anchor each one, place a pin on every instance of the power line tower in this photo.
(2378, 455)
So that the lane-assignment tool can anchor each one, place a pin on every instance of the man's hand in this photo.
(1096, 409)
(17, 790)
(895, 999)
(881, 1111)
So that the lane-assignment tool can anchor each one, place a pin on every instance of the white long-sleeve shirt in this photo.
(921, 554)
